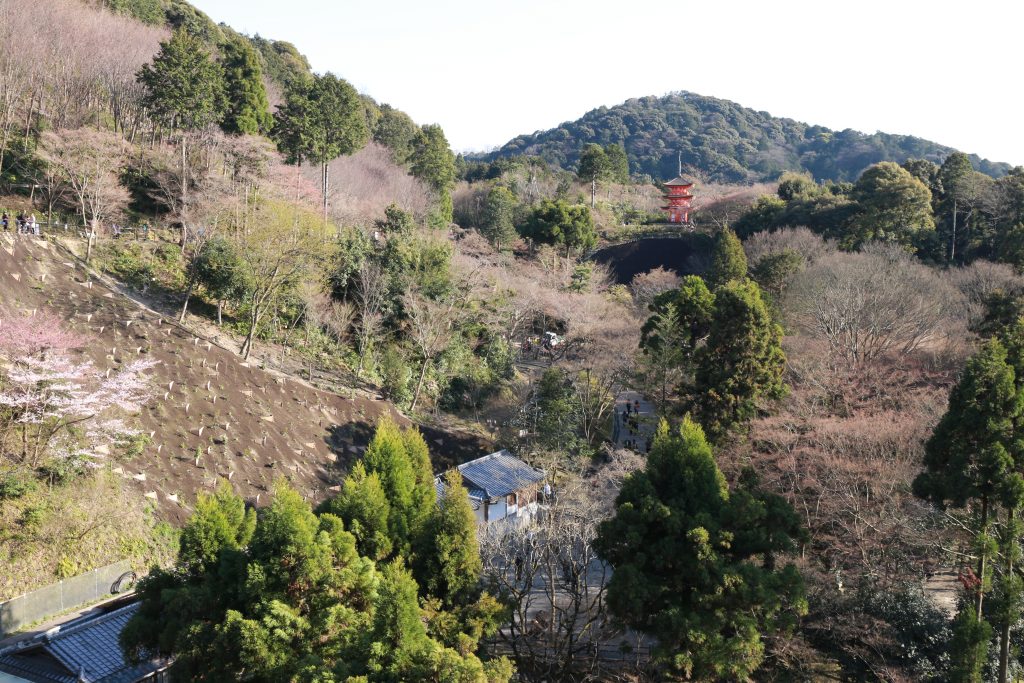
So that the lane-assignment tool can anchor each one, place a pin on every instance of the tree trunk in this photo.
(184, 306)
(254, 319)
(593, 192)
(184, 193)
(952, 246)
(980, 595)
(220, 312)
(1004, 636)
(326, 186)
(419, 385)
(90, 238)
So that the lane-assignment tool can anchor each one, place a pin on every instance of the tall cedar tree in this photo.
(594, 166)
(954, 178)
(184, 86)
(453, 565)
(401, 461)
(697, 567)
(741, 365)
(433, 162)
(248, 111)
(968, 456)
(397, 131)
(497, 223)
(322, 119)
(728, 260)
(184, 91)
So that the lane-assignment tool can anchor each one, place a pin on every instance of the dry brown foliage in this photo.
(366, 182)
(801, 240)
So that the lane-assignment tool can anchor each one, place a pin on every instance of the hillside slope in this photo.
(724, 141)
(246, 424)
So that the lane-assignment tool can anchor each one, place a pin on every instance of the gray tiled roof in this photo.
(89, 651)
(498, 474)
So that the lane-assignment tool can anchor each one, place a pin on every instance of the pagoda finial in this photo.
(680, 163)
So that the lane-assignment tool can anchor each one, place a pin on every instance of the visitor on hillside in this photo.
(33, 225)
(5, 221)
(21, 222)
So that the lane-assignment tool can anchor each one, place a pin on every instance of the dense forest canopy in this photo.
(725, 142)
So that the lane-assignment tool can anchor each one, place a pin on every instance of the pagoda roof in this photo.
(678, 182)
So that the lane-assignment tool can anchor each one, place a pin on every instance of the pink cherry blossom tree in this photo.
(56, 408)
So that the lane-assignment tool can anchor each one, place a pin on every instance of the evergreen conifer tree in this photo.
(741, 365)
(248, 111)
(433, 162)
(497, 221)
(453, 564)
(696, 566)
(364, 508)
(728, 260)
(184, 86)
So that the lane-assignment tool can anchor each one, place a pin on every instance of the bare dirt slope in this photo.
(212, 416)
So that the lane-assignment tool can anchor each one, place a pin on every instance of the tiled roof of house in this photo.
(498, 474)
(87, 651)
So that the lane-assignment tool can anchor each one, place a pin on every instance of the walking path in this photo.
(636, 428)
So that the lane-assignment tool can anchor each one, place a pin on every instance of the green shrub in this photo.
(396, 376)
(15, 485)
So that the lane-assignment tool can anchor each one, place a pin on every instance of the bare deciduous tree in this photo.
(90, 161)
(556, 585)
(370, 292)
(868, 303)
(431, 329)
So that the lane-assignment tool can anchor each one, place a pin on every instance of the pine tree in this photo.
(497, 224)
(248, 111)
(728, 260)
(696, 566)
(741, 365)
(968, 648)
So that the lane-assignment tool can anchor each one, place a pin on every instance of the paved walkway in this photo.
(636, 428)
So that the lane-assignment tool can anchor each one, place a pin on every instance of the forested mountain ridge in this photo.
(725, 141)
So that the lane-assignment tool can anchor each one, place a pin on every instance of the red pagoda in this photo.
(677, 194)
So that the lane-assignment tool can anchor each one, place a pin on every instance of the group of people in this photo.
(631, 422)
(25, 225)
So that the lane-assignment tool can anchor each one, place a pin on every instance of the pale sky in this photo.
(488, 71)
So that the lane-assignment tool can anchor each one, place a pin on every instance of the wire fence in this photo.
(30, 608)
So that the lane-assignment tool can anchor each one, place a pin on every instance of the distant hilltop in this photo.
(724, 141)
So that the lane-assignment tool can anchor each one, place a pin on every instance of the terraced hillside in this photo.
(212, 416)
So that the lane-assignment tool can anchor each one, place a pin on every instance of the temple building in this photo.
(678, 198)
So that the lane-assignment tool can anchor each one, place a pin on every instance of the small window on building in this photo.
(511, 500)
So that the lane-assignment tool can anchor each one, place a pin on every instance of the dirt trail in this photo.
(212, 416)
